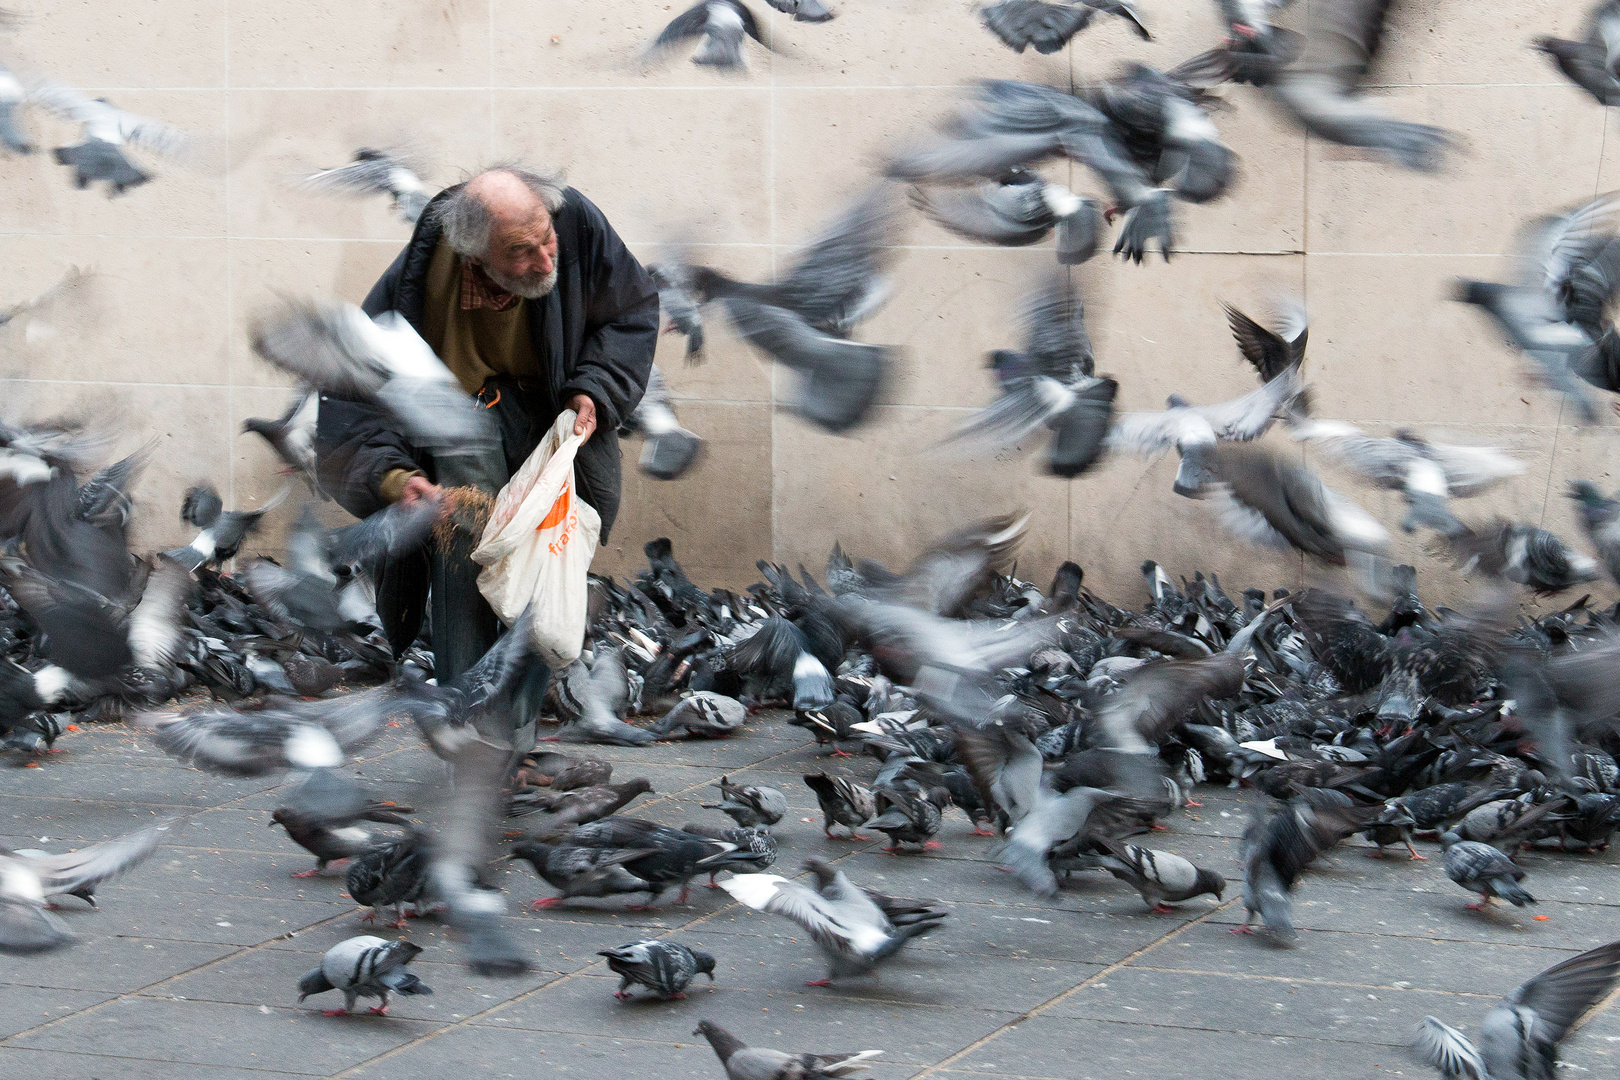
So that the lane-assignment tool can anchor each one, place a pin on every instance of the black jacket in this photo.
(595, 332)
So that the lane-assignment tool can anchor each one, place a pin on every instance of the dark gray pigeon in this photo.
(1518, 1039)
(1050, 385)
(578, 871)
(1590, 63)
(366, 967)
(1049, 26)
(1017, 209)
(222, 535)
(722, 24)
(1322, 88)
(1482, 869)
(666, 968)
(292, 436)
(106, 131)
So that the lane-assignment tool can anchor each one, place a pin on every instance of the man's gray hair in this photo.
(467, 221)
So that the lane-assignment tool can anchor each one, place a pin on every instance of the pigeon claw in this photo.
(1161, 908)
(1244, 929)
(845, 753)
(544, 902)
(316, 872)
(980, 830)
(334, 1012)
(933, 845)
(818, 982)
(378, 1010)
(1194, 802)
(622, 995)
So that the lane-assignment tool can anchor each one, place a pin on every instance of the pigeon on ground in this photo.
(1276, 850)
(757, 841)
(1050, 384)
(851, 925)
(1482, 869)
(27, 882)
(843, 802)
(1160, 876)
(721, 24)
(908, 814)
(669, 450)
(336, 838)
(703, 714)
(338, 350)
(664, 967)
(1519, 1037)
(1015, 209)
(804, 318)
(757, 1063)
(565, 809)
(1194, 431)
(582, 871)
(106, 131)
(598, 695)
(751, 805)
(1590, 63)
(675, 857)
(391, 874)
(376, 172)
(1049, 26)
(366, 967)
(292, 436)
(1321, 89)
(563, 773)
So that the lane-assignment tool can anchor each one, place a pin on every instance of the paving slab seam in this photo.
(155, 1061)
(469, 1020)
(1297, 981)
(140, 991)
(1070, 992)
(1233, 1031)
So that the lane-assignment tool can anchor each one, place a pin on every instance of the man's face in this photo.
(522, 257)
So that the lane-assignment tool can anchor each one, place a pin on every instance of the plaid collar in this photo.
(477, 291)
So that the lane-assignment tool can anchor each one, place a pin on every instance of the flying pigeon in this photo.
(376, 172)
(1016, 209)
(1519, 1037)
(851, 925)
(106, 131)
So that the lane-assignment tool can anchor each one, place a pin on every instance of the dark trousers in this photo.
(463, 626)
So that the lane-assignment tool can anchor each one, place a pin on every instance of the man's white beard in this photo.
(530, 287)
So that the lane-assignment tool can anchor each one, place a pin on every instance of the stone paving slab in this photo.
(190, 968)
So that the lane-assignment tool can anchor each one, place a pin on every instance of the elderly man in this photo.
(534, 303)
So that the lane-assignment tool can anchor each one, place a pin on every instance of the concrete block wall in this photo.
(749, 166)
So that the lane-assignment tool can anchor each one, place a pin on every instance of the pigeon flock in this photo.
(1063, 728)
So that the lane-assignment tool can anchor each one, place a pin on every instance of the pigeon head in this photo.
(705, 963)
(640, 786)
(1208, 881)
(724, 1042)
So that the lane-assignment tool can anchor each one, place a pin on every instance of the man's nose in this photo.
(543, 261)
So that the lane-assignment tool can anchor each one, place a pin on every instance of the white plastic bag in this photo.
(538, 545)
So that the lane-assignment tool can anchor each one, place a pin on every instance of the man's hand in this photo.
(420, 487)
(585, 422)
